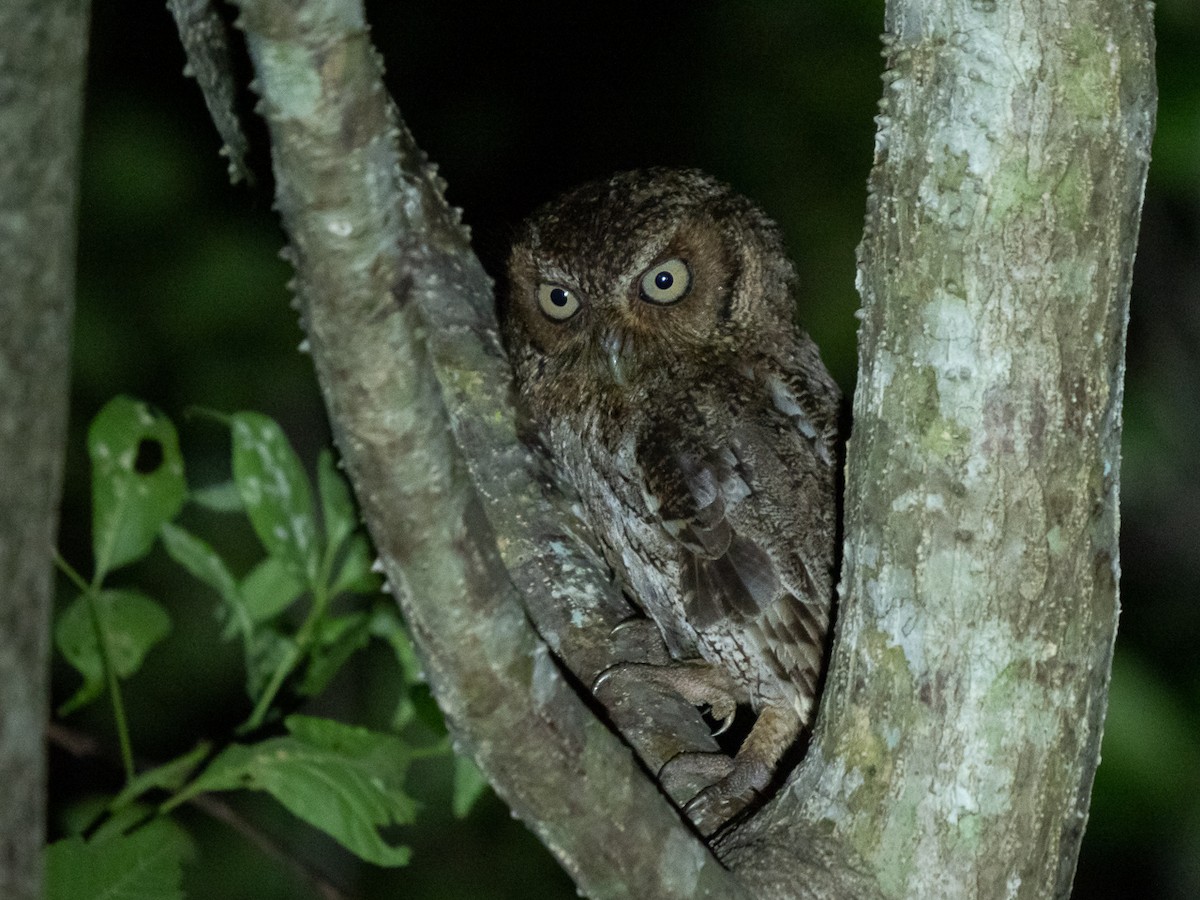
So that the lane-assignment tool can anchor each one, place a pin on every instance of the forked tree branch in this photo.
(960, 727)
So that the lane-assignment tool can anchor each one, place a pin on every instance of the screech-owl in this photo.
(650, 323)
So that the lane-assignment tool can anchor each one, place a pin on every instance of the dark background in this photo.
(182, 301)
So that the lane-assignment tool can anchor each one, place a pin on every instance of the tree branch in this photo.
(387, 285)
(961, 724)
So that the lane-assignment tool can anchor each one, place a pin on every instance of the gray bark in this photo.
(961, 723)
(42, 51)
(960, 728)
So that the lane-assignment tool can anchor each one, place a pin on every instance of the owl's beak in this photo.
(616, 345)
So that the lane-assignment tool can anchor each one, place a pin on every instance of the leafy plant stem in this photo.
(268, 695)
(67, 569)
(305, 638)
(90, 592)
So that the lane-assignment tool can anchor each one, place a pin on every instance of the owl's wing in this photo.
(739, 560)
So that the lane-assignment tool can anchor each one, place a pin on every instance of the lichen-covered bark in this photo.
(387, 286)
(962, 719)
(42, 48)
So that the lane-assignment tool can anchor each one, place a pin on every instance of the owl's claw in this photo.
(605, 677)
(724, 722)
(697, 682)
(720, 787)
(627, 624)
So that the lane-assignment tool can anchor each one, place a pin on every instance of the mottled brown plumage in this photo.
(650, 325)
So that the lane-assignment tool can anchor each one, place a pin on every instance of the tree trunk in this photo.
(42, 54)
(961, 723)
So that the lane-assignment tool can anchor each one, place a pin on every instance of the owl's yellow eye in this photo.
(557, 302)
(667, 282)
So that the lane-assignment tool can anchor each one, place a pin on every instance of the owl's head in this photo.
(649, 271)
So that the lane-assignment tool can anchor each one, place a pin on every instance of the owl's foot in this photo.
(736, 783)
(686, 775)
(718, 803)
(639, 638)
(699, 683)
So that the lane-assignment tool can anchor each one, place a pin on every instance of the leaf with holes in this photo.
(346, 781)
(275, 492)
(137, 480)
(131, 623)
(146, 864)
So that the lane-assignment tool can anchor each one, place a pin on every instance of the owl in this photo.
(650, 324)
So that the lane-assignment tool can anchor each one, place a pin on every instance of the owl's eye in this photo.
(667, 282)
(557, 302)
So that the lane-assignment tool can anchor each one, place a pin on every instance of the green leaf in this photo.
(170, 776)
(119, 822)
(144, 865)
(201, 560)
(223, 497)
(354, 574)
(132, 623)
(469, 785)
(338, 639)
(270, 588)
(346, 781)
(426, 711)
(337, 505)
(275, 492)
(137, 481)
(387, 625)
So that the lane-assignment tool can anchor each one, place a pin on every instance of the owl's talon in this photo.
(733, 786)
(723, 727)
(605, 677)
(720, 787)
(626, 624)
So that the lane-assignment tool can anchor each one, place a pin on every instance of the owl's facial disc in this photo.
(622, 321)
